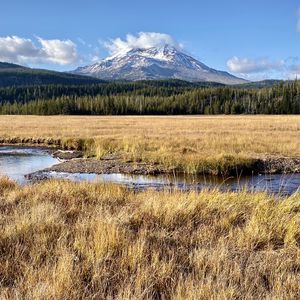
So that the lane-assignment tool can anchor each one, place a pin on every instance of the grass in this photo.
(192, 144)
(64, 240)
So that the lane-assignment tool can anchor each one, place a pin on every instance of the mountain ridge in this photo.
(17, 75)
(155, 63)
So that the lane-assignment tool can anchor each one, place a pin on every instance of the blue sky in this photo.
(254, 39)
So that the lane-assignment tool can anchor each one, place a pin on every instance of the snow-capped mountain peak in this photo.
(163, 62)
(165, 53)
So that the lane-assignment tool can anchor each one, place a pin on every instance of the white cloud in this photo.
(246, 65)
(143, 40)
(258, 69)
(58, 51)
(23, 51)
(16, 49)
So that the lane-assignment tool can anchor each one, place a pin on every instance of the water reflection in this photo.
(278, 184)
(17, 162)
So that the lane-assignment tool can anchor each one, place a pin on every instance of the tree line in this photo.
(151, 97)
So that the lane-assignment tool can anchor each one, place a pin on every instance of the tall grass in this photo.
(190, 144)
(64, 240)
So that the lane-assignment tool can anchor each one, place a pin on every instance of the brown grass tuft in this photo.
(64, 240)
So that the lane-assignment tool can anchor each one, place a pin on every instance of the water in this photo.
(17, 162)
(278, 184)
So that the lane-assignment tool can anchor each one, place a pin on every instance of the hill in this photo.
(16, 75)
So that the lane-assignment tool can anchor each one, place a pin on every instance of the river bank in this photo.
(76, 163)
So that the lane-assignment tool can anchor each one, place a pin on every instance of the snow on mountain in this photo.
(155, 63)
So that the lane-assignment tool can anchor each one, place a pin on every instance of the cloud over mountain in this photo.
(143, 40)
(23, 51)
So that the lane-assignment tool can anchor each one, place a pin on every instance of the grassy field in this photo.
(63, 240)
(191, 144)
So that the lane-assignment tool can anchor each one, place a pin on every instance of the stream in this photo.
(17, 162)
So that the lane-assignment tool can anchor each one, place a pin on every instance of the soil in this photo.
(74, 163)
(108, 166)
(277, 165)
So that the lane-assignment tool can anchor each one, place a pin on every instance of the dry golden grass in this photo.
(64, 240)
(189, 143)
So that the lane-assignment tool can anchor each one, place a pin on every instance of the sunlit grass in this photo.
(64, 240)
(191, 144)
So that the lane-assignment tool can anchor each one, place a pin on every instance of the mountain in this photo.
(154, 64)
(16, 75)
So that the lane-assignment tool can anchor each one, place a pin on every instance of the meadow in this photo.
(192, 144)
(64, 240)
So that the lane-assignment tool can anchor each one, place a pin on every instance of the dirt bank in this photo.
(108, 166)
(74, 163)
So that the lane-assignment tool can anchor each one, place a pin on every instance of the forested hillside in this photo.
(15, 75)
(152, 97)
